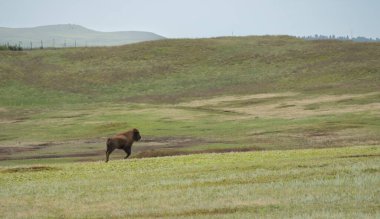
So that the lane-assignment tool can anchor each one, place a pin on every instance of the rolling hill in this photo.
(70, 35)
(176, 70)
(302, 119)
(189, 96)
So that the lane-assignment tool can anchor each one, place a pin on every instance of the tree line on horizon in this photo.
(343, 38)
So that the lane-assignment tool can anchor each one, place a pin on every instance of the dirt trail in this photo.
(92, 148)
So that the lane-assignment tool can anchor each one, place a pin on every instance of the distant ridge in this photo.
(70, 35)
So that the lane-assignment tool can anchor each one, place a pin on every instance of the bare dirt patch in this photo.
(32, 151)
(89, 154)
(9, 150)
(91, 149)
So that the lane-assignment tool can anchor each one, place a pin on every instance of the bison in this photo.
(122, 141)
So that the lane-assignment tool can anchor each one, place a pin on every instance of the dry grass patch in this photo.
(293, 106)
(218, 100)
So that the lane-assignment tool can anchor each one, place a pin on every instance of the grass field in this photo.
(311, 183)
(302, 119)
(173, 71)
(239, 123)
(189, 96)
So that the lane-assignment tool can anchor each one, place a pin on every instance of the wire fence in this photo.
(45, 44)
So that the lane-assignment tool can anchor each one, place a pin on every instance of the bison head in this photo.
(136, 135)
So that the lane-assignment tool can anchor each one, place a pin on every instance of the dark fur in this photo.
(122, 141)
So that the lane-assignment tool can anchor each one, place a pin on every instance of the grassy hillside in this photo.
(173, 70)
(70, 35)
(189, 96)
(317, 183)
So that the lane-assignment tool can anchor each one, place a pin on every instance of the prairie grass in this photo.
(312, 183)
(267, 95)
(208, 125)
(252, 93)
(171, 71)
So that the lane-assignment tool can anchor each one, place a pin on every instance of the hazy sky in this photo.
(201, 18)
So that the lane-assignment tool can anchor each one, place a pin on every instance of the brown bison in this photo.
(122, 141)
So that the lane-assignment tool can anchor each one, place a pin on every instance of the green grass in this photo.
(66, 131)
(266, 95)
(18, 95)
(175, 70)
(319, 94)
(316, 183)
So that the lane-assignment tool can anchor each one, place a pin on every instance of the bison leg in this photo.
(108, 152)
(128, 151)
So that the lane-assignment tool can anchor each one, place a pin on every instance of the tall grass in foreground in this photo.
(317, 183)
